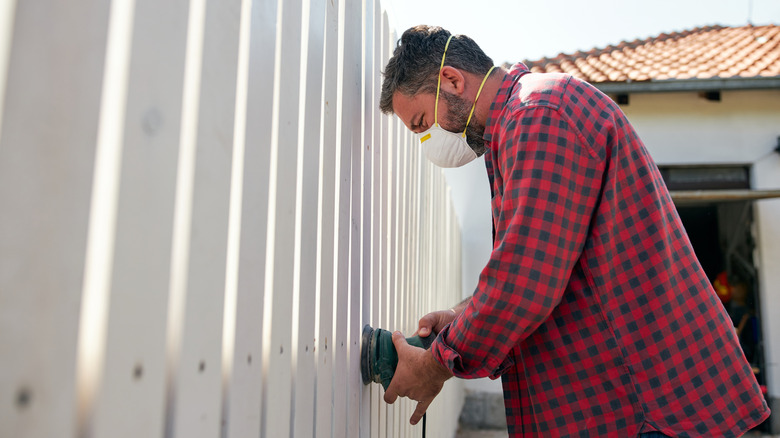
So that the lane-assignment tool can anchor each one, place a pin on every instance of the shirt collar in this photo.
(502, 96)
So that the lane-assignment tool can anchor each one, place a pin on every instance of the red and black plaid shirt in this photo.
(593, 307)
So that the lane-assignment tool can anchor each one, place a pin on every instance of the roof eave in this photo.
(673, 85)
(687, 197)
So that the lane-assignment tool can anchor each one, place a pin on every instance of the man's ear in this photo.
(452, 80)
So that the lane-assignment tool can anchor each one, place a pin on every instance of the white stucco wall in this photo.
(471, 200)
(681, 128)
(743, 128)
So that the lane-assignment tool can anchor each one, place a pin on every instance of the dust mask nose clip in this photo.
(444, 148)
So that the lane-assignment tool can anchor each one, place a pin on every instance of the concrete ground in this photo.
(481, 434)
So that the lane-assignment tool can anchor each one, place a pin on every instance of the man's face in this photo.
(417, 113)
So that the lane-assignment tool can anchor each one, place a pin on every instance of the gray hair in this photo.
(414, 66)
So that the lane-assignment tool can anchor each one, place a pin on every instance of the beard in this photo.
(457, 115)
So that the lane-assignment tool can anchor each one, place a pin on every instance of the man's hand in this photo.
(418, 376)
(434, 322)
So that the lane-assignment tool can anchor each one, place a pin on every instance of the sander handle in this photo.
(378, 357)
(418, 341)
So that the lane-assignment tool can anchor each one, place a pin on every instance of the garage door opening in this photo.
(715, 204)
(722, 240)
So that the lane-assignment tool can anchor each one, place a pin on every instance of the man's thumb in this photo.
(426, 325)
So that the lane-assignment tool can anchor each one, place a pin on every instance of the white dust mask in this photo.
(444, 148)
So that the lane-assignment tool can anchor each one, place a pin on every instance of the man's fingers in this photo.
(426, 324)
(434, 322)
(419, 411)
(390, 395)
(399, 340)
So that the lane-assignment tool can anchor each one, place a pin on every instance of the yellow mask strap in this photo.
(475, 99)
(438, 86)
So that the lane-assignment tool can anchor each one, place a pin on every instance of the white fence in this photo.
(200, 207)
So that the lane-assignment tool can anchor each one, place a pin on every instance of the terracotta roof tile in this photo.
(705, 52)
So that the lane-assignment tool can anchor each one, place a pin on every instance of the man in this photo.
(592, 308)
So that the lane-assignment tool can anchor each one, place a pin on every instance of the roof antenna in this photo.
(750, 13)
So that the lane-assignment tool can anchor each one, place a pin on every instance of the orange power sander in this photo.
(378, 357)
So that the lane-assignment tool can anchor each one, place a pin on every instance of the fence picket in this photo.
(130, 400)
(54, 58)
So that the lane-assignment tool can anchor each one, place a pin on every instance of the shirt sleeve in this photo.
(548, 185)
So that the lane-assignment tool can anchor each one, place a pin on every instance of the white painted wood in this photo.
(201, 218)
(7, 14)
(399, 295)
(55, 63)
(102, 217)
(403, 225)
(304, 364)
(328, 243)
(378, 408)
(245, 383)
(260, 210)
(130, 399)
(230, 311)
(368, 109)
(353, 111)
(280, 274)
(346, 109)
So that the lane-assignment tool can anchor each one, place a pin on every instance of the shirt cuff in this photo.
(452, 360)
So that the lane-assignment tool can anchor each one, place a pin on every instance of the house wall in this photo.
(743, 128)
(471, 199)
(201, 208)
(682, 128)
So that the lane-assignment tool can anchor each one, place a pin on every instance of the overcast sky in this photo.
(516, 30)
